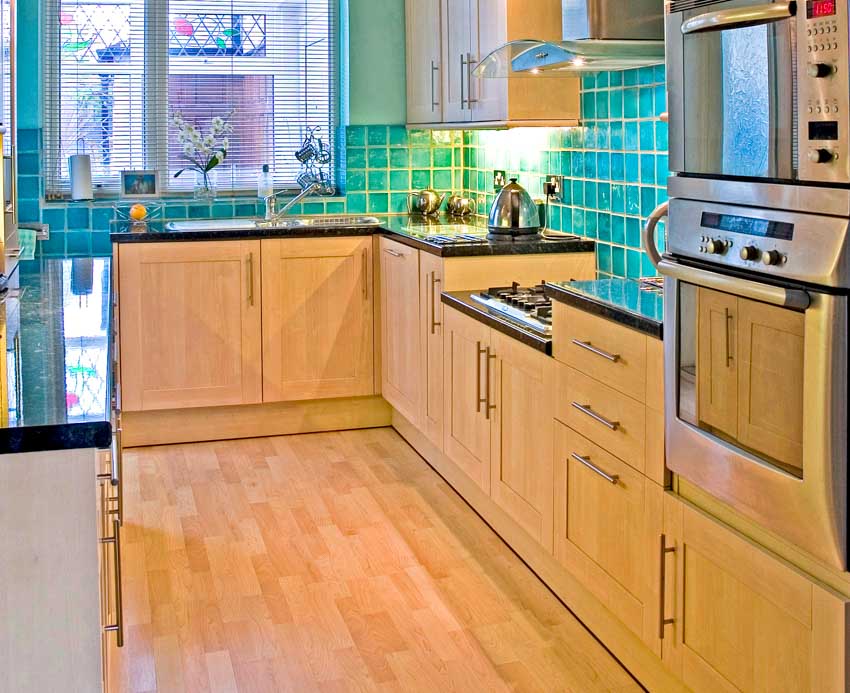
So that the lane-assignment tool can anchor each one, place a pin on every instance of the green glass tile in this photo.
(577, 160)
(398, 203)
(54, 246)
(553, 217)
(591, 221)
(618, 198)
(646, 105)
(632, 199)
(602, 80)
(355, 136)
(442, 158)
(632, 168)
(647, 269)
(590, 164)
(647, 169)
(400, 180)
(618, 229)
(618, 166)
(379, 203)
(175, 212)
(617, 138)
(577, 222)
(314, 208)
(603, 226)
(646, 75)
(616, 79)
(29, 210)
(630, 78)
(633, 264)
(356, 203)
(630, 103)
(378, 180)
(577, 192)
(588, 82)
(101, 244)
(647, 201)
(419, 138)
(420, 158)
(590, 194)
(661, 136)
(567, 219)
(399, 158)
(646, 135)
(378, 158)
(603, 195)
(603, 166)
(633, 228)
(602, 104)
(588, 105)
(356, 180)
(603, 257)
(78, 243)
(101, 217)
(355, 157)
(564, 163)
(29, 187)
(398, 136)
(442, 179)
(420, 178)
(660, 99)
(245, 210)
(659, 73)
(376, 135)
(615, 103)
(29, 140)
(55, 217)
(603, 135)
(335, 207)
(199, 211)
(618, 261)
(631, 140)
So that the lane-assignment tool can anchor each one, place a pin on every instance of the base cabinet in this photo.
(431, 284)
(742, 619)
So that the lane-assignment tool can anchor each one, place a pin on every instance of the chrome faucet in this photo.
(271, 201)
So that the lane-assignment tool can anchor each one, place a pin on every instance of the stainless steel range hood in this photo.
(597, 35)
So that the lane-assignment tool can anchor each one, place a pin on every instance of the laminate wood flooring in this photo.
(330, 562)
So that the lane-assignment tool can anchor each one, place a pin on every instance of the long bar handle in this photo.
(434, 322)
(469, 99)
(585, 409)
(663, 621)
(250, 275)
(365, 260)
(118, 626)
(462, 71)
(596, 350)
(739, 17)
(394, 253)
(729, 319)
(612, 478)
(479, 352)
(488, 405)
(434, 102)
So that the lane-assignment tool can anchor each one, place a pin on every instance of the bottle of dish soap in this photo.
(265, 185)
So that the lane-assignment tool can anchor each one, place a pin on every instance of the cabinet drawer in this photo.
(604, 350)
(608, 418)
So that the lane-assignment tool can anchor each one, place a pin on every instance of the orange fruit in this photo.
(138, 212)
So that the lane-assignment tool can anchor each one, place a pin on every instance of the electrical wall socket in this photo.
(500, 180)
(554, 186)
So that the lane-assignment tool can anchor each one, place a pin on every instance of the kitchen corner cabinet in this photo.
(445, 42)
(317, 316)
(401, 348)
(190, 324)
(742, 619)
(498, 403)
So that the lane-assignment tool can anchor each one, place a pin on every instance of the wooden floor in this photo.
(331, 562)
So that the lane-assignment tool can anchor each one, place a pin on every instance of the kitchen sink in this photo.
(323, 221)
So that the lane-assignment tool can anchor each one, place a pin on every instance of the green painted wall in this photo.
(377, 87)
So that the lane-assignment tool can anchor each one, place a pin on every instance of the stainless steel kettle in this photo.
(513, 212)
(425, 202)
(459, 206)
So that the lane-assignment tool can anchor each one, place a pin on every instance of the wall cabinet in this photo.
(317, 301)
(401, 347)
(190, 324)
(743, 620)
(445, 42)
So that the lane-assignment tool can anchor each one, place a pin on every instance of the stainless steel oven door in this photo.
(756, 89)
(756, 381)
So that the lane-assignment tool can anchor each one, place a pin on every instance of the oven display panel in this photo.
(749, 226)
(819, 8)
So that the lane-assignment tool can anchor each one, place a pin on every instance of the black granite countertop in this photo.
(632, 303)
(461, 301)
(56, 385)
(417, 232)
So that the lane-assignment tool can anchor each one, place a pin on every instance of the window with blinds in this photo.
(118, 70)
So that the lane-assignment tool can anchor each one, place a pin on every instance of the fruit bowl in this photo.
(137, 212)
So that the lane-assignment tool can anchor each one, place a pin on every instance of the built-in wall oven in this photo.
(756, 356)
(759, 90)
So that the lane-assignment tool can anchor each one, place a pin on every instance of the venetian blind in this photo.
(118, 70)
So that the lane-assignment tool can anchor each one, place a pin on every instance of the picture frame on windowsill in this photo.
(140, 184)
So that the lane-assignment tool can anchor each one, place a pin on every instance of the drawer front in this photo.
(600, 348)
(608, 418)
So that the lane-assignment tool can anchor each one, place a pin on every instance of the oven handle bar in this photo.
(788, 298)
(740, 17)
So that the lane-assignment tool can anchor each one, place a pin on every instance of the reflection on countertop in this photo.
(638, 304)
(55, 322)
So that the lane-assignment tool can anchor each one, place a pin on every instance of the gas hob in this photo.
(527, 307)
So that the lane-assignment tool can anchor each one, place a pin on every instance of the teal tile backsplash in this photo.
(615, 168)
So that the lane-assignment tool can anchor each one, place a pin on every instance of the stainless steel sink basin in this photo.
(323, 221)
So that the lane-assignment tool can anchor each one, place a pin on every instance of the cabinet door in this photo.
(457, 18)
(744, 620)
(717, 360)
(317, 318)
(770, 381)
(190, 324)
(521, 463)
(488, 98)
(467, 422)
(607, 522)
(431, 283)
(401, 370)
(424, 61)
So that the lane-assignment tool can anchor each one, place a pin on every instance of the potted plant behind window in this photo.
(203, 152)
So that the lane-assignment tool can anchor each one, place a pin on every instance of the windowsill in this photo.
(179, 198)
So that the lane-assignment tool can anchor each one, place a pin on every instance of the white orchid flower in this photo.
(225, 144)
(188, 150)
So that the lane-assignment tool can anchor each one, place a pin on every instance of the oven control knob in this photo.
(750, 253)
(716, 247)
(819, 70)
(773, 257)
(821, 156)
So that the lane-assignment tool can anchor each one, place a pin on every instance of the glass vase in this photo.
(206, 185)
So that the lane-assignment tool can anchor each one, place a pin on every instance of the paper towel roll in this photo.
(79, 166)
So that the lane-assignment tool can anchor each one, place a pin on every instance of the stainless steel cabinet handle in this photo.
(740, 17)
(250, 274)
(594, 350)
(434, 322)
(365, 275)
(14, 252)
(394, 253)
(462, 71)
(729, 319)
(118, 626)
(434, 102)
(612, 478)
(488, 405)
(469, 99)
(585, 409)
(663, 622)
(479, 352)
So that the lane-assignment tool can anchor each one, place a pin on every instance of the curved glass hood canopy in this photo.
(556, 59)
